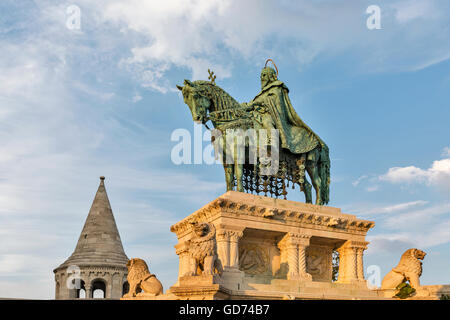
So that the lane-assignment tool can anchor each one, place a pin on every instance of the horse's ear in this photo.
(187, 82)
(180, 88)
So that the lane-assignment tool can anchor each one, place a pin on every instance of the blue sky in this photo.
(101, 100)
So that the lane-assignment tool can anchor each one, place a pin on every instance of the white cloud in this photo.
(405, 174)
(440, 234)
(438, 174)
(83, 87)
(409, 11)
(403, 206)
(426, 238)
(358, 181)
(431, 61)
(391, 208)
(371, 179)
(390, 242)
(197, 35)
(419, 224)
(416, 218)
(421, 228)
(175, 33)
(372, 188)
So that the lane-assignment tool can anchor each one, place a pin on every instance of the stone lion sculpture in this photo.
(141, 281)
(409, 268)
(203, 251)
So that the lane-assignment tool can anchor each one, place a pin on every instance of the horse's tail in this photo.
(324, 172)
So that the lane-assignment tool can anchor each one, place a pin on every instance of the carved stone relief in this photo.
(253, 259)
(318, 263)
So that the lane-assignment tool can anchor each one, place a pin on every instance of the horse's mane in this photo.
(220, 98)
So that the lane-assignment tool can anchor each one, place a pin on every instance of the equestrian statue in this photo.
(291, 147)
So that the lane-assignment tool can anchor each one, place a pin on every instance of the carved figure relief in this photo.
(253, 259)
(314, 264)
(317, 263)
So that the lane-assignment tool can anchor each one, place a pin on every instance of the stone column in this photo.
(234, 248)
(302, 262)
(295, 246)
(227, 241)
(112, 286)
(361, 246)
(347, 263)
(351, 261)
(181, 250)
(88, 291)
(293, 263)
(223, 247)
(359, 263)
(88, 285)
(342, 267)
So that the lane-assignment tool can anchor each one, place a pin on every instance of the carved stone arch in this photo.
(99, 284)
(79, 289)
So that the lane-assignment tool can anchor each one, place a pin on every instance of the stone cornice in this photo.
(299, 214)
(93, 268)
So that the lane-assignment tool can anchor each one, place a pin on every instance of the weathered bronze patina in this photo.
(301, 149)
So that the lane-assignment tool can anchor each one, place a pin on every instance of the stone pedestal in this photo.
(200, 288)
(271, 248)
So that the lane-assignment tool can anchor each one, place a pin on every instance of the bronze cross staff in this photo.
(212, 77)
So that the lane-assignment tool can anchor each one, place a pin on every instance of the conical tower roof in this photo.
(99, 243)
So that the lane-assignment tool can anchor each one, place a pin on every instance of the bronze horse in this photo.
(207, 101)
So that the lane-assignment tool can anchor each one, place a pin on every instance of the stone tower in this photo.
(97, 267)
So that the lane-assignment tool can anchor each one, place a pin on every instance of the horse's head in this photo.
(195, 97)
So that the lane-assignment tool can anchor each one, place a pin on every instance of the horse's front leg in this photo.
(239, 171)
(306, 188)
(313, 171)
(229, 176)
(238, 160)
